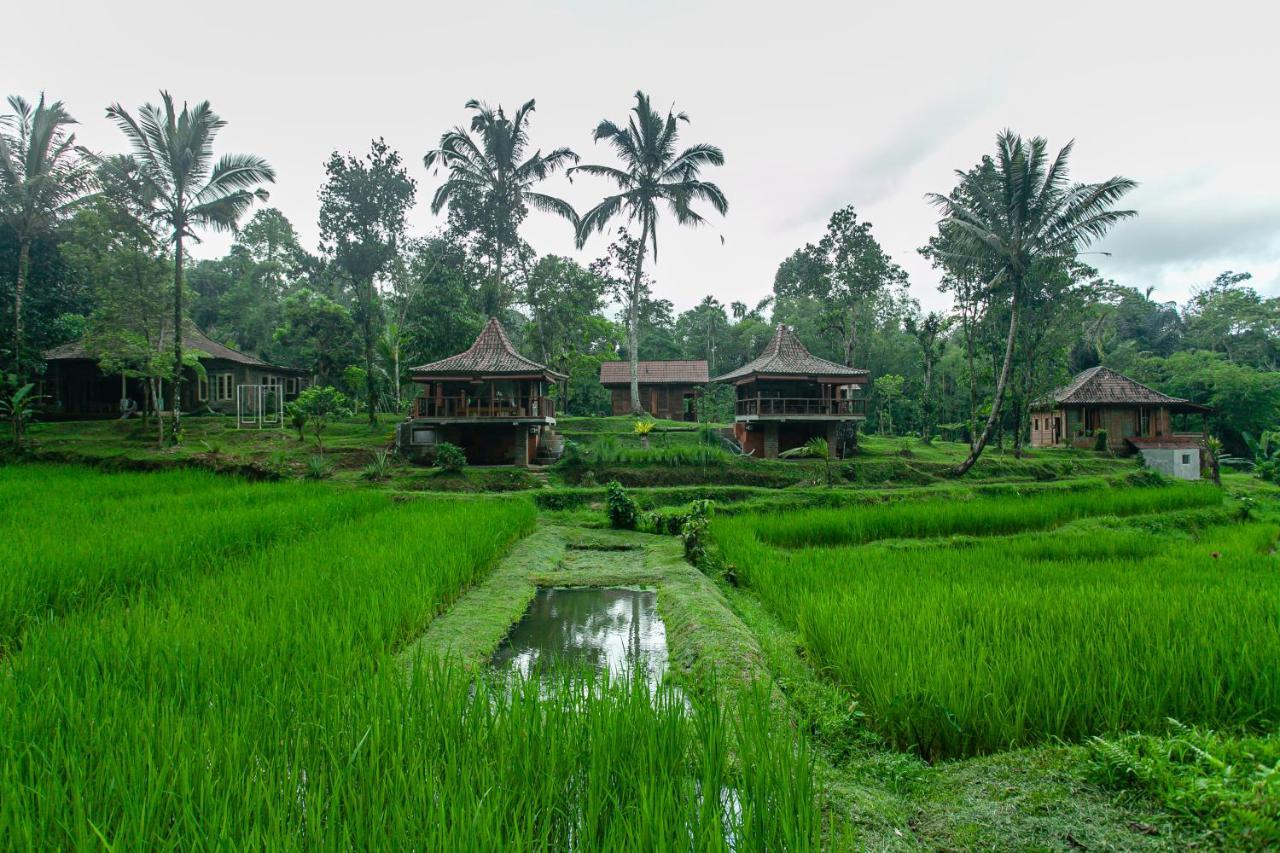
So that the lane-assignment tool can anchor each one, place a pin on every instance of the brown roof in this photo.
(1103, 386)
(655, 372)
(491, 355)
(786, 356)
(1166, 442)
(193, 339)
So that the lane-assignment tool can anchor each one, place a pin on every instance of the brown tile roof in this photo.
(786, 356)
(491, 355)
(192, 339)
(1102, 386)
(655, 373)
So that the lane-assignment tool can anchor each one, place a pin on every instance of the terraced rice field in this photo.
(198, 663)
(970, 626)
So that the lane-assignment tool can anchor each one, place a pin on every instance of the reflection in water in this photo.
(608, 629)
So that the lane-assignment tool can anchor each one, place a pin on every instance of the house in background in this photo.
(76, 387)
(788, 396)
(668, 389)
(1137, 419)
(490, 401)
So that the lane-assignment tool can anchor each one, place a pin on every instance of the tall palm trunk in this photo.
(1001, 383)
(177, 337)
(20, 287)
(633, 328)
(368, 353)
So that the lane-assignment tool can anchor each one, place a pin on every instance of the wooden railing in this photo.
(800, 406)
(471, 407)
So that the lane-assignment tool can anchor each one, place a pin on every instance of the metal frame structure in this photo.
(260, 406)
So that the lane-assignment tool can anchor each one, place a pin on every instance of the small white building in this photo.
(1173, 456)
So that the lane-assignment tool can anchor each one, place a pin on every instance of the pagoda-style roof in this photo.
(491, 356)
(687, 372)
(193, 340)
(785, 356)
(1102, 386)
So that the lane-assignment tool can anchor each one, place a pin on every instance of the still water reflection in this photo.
(609, 629)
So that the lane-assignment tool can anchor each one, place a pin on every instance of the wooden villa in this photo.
(668, 389)
(1137, 419)
(788, 396)
(490, 401)
(76, 386)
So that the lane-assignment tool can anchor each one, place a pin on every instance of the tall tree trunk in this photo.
(177, 337)
(926, 427)
(1001, 383)
(973, 376)
(633, 325)
(368, 352)
(20, 287)
(395, 367)
(155, 385)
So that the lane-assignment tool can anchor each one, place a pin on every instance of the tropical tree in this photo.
(1020, 213)
(653, 171)
(363, 205)
(183, 189)
(490, 185)
(42, 175)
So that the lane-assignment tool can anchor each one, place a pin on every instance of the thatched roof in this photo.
(786, 356)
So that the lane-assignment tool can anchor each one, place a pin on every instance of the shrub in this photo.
(623, 512)
(297, 419)
(695, 532)
(379, 466)
(318, 468)
(450, 458)
(321, 405)
(1100, 441)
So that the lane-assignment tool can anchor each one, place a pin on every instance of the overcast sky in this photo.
(816, 105)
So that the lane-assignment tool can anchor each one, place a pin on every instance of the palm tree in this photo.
(493, 179)
(41, 176)
(651, 172)
(184, 189)
(1021, 212)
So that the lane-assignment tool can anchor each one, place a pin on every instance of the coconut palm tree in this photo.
(492, 179)
(41, 176)
(1020, 211)
(185, 189)
(652, 173)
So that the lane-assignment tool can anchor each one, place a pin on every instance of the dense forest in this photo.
(372, 299)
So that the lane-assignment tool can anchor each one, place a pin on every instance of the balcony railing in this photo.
(472, 407)
(799, 406)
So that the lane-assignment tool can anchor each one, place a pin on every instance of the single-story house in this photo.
(76, 387)
(668, 389)
(1137, 419)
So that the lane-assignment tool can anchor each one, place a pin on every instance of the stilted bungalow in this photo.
(788, 396)
(76, 387)
(668, 389)
(490, 401)
(1137, 419)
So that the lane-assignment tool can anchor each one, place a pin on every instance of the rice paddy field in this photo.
(193, 662)
(972, 625)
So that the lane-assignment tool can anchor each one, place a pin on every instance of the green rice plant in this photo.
(984, 516)
(264, 706)
(975, 645)
(71, 538)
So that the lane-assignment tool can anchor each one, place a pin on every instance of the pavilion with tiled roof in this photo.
(1135, 418)
(490, 400)
(787, 396)
(668, 389)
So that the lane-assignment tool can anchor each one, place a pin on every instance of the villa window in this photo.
(224, 387)
(202, 388)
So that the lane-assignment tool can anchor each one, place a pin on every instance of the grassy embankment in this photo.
(1014, 622)
(262, 703)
